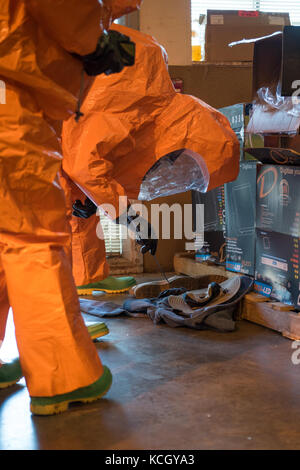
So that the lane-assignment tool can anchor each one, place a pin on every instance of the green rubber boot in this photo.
(10, 373)
(110, 285)
(60, 403)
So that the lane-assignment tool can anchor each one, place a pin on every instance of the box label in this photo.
(217, 19)
(233, 266)
(277, 20)
(263, 289)
(249, 14)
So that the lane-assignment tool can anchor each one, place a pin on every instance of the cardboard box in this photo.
(276, 60)
(239, 116)
(203, 81)
(240, 220)
(277, 267)
(278, 199)
(278, 232)
(227, 26)
(214, 224)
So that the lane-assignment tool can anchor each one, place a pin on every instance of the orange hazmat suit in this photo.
(131, 121)
(42, 82)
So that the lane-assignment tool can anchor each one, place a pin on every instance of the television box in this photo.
(240, 220)
(277, 267)
(278, 199)
(214, 210)
(239, 116)
(227, 26)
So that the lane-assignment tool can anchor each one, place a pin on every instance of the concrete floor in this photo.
(173, 389)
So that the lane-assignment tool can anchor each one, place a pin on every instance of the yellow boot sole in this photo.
(60, 407)
(8, 384)
(90, 291)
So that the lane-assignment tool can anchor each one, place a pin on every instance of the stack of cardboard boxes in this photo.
(262, 206)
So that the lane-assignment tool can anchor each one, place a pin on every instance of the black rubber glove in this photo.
(114, 52)
(148, 244)
(84, 211)
(140, 228)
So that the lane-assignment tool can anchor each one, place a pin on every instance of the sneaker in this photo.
(97, 330)
(59, 403)
(10, 373)
(154, 288)
(110, 285)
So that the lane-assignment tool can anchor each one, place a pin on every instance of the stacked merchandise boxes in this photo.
(262, 217)
(240, 196)
(275, 116)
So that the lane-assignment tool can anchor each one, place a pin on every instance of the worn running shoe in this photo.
(59, 403)
(154, 288)
(110, 285)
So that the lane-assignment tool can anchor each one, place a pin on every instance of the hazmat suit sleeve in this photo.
(77, 24)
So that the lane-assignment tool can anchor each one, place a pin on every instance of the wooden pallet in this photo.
(185, 263)
(254, 308)
(274, 315)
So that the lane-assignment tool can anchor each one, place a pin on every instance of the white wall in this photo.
(169, 21)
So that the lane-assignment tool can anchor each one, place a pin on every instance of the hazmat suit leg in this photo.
(56, 353)
(4, 304)
(88, 246)
(88, 251)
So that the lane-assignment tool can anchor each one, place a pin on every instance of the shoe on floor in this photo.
(110, 285)
(10, 373)
(153, 289)
(54, 405)
(97, 330)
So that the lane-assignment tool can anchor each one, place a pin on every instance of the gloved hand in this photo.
(84, 211)
(114, 52)
(145, 236)
(147, 244)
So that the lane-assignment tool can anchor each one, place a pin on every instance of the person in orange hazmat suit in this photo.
(138, 138)
(45, 47)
